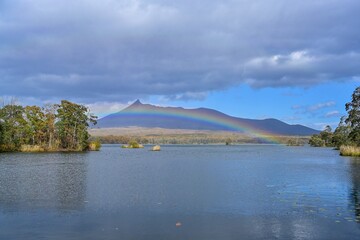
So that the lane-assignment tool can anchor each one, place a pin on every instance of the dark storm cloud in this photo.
(116, 50)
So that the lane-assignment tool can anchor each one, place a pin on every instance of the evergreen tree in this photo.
(73, 121)
(326, 136)
(316, 141)
(13, 127)
(353, 109)
(341, 134)
(35, 125)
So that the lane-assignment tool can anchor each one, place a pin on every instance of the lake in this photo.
(181, 192)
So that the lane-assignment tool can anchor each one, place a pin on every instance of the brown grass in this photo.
(31, 148)
(350, 151)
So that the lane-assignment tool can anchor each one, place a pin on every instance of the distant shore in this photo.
(184, 136)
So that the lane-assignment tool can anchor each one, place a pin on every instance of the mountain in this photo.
(150, 116)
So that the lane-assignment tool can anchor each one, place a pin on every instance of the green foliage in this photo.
(326, 136)
(341, 134)
(36, 125)
(132, 144)
(324, 139)
(228, 141)
(72, 124)
(353, 118)
(51, 128)
(295, 142)
(353, 109)
(316, 141)
(13, 127)
(1, 130)
(346, 136)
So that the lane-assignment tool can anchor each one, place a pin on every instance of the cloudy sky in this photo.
(297, 61)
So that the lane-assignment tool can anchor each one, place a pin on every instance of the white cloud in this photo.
(295, 59)
(332, 114)
(102, 109)
(313, 109)
(319, 106)
(187, 96)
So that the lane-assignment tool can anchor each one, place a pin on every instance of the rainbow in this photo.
(201, 115)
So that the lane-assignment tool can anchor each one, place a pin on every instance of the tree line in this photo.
(209, 138)
(54, 127)
(347, 132)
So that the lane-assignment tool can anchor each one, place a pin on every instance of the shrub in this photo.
(228, 141)
(133, 144)
(316, 141)
(8, 148)
(294, 142)
(94, 145)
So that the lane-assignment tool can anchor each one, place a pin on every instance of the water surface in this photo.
(215, 192)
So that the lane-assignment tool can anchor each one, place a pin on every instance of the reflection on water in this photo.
(216, 192)
(33, 181)
(355, 189)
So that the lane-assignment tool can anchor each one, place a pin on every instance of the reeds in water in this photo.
(350, 151)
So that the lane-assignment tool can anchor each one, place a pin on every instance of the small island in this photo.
(132, 144)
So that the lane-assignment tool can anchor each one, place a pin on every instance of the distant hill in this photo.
(150, 116)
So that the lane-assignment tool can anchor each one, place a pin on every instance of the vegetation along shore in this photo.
(64, 127)
(55, 127)
(346, 136)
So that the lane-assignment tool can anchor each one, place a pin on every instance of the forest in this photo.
(54, 127)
